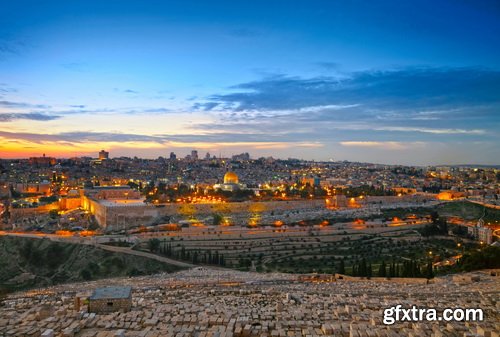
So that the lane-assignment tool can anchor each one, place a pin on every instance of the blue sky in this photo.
(386, 81)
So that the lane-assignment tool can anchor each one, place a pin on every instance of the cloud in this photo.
(388, 145)
(76, 66)
(9, 104)
(156, 110)
(85, 136)
(6, 48)
(404, 89)
(34, 116)
(9, 47)
(328, 65)
(439, 104)
(5, 89)
(430, 130)
(86, 139)
(82, 137)
(130, 91)
(207, 106)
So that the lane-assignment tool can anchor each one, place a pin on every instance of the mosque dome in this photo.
(230, 178)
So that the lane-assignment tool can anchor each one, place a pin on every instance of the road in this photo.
(126, 250)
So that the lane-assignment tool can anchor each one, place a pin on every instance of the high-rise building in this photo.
(207, 156)
(103, 155)
(241, 157)
(194, 155)
(173, 156)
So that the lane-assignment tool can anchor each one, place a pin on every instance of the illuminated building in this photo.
(231, 183)
(42, 161)
(231, 178)
(481, 233)
(312, 181)
(103, 155)
(336, 201)
(450, 195)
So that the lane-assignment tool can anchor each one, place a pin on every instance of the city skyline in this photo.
(394, 83)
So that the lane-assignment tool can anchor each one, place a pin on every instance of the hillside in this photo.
(468, 210)
(28, 263)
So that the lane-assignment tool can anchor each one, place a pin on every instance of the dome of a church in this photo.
(230, 178)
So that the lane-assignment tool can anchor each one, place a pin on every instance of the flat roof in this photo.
(121, 202)
(113, 187)
(111, 293)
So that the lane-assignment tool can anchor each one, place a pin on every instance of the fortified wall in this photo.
(17, 214)
(124, 214)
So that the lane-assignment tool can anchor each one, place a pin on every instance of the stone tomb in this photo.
(110, 299)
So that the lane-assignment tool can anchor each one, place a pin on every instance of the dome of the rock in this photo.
(230, 178)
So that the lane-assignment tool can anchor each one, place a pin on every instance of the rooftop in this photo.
(120, 187)
(121, 202)
(111, 292)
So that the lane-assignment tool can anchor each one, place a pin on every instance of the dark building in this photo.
(110, 299)
(42, 161)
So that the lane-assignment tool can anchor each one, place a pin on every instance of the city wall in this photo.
(123, 216)
(17, 214)
(66, 203)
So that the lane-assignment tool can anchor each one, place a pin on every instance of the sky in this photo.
(395, 82)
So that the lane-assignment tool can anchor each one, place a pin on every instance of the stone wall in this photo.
(100, 306)
(66, 203)
(123, 216)
(17, 214)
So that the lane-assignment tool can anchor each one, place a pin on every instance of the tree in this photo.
(86, 274)
(53, 213)
(363, 270)
(217, 219)
(154, 245)
(355, 269)
(429, 272)
(382, 270)
(488, 257)
(416, 269)
(341, 268)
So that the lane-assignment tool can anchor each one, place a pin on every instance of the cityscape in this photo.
(213, 169)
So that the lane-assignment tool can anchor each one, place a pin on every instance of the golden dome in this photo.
(230, 178)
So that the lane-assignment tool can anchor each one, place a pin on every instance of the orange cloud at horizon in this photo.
(21, 148)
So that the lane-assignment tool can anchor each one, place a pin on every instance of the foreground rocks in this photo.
(217, 303)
